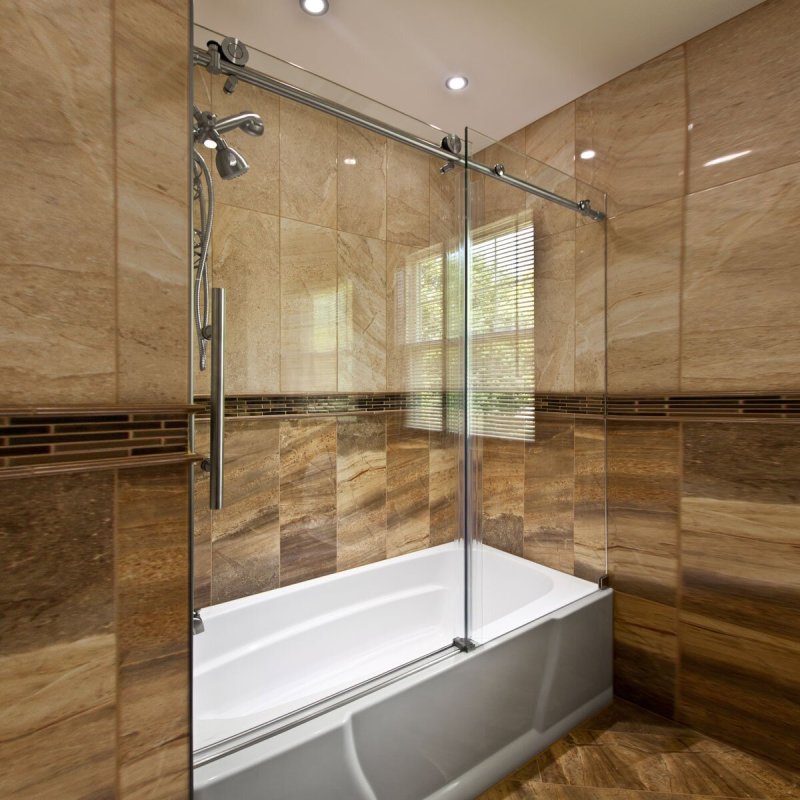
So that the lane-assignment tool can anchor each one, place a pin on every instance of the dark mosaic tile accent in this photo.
(741, 406)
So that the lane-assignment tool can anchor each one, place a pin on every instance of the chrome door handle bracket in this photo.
(215, 465)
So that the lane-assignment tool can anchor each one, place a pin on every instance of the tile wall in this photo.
(703, 300)
(94, 602)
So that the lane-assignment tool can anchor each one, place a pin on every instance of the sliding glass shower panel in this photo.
(536, 383)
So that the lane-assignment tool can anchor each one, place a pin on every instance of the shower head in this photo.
(230, 163)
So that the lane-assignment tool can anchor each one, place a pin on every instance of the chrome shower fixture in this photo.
(208, 130)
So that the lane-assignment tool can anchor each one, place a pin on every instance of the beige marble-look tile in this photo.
(590, 308)
(502, 493)
(498, 200)
(636, 124)
(307, 499)
(551, 139)
(408, 516)
(643, 502)
(57, 549)
(590, 529)
(741, 315)
(550, 218)
(152, 224)
(407, 195)
(308, 308)
(549, 493)
(152, 563)
(258, 189)
(361, 191)
(758, 112)
(554, 301)
(444, 481)
(308, 155)
(644, 279)
(57, 343)
(154, 727)
(246, 532)
(360, 490)
(247, 265)
(446, 204)
(361, 313)
(58, 728)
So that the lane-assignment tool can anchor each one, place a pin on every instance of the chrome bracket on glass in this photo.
(216, 463)
(602, 582)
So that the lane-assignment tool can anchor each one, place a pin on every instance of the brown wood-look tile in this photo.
(645, 652)
(203, 517)
(407, 195)
(154, 757)
(360, 490)
(739, 623)
(57, 729)
(503, 490)
(307, 499)
(643, 500)
(444, 479)
(549, 494)
(636, 124)
(758, 112)
(246, 532)
(741, 318)
(644, 272)
(408, 514)
(589, 535)
(590, 308)
(152, 564)
(56, 547)
(57, 264)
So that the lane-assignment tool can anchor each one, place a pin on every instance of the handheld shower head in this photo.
(230, 163)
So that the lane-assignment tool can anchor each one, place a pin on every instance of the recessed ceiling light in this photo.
(456, 83)
(315, 7)
(588, 154)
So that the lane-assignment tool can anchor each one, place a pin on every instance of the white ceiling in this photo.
(523, 58)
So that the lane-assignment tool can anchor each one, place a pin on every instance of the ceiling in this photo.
(523, 58)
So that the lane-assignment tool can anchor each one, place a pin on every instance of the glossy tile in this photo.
(645, 652)
(307, 499)
(361, 314)
(360, 490)
(271, 157)
(636, 124)
(408, 515)
(444, 460)
(154, 729)
(308, 157)
(57, 730)
(152, 226)
(57, 549)
(551, 139)
(590, 308)
(446, 221)
(644, 288)
(549, 218)
(549, 494)
(589, 532)
(246, 532)
(151, 563)
(58, 342)
(308, 307)
(503, 490)
(741, 320)
(499, 200)
(756, 114)
(361, 177)
(554, 303)
(644, 467)
(407, 195)
(203, 516)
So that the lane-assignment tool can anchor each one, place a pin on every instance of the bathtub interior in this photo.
(269, 655)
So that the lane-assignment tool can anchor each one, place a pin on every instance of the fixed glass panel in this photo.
(535, 390)
(338, 554)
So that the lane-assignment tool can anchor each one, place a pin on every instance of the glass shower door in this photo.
(535, 388)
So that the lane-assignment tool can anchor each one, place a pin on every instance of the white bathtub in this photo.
(547, 665)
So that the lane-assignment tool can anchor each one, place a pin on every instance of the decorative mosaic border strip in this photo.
(678, 406)
(37, 440)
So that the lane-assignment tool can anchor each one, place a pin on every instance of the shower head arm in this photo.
(248, 121)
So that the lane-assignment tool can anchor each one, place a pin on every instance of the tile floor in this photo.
(627, 753)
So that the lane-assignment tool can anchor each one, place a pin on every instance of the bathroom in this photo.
(495, 492)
